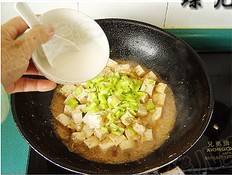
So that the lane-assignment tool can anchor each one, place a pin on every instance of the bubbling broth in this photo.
(120, 116)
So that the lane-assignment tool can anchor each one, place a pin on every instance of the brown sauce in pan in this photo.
(161, 129)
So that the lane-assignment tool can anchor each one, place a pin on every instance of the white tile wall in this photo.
(163, 14)
(8, 11)
(205, 16)
(150, 12)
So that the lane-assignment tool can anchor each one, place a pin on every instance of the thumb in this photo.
(35, 37)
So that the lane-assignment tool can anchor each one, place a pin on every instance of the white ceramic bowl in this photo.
(87, 35)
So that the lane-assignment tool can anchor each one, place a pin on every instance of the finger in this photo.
(14, 27)
(32, 70)
(35, 37)
(29, 85)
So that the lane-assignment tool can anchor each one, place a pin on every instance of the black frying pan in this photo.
(168, 56)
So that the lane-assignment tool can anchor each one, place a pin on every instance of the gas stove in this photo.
(212, 154)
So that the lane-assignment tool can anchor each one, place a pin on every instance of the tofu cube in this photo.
(161, 87)
(78, 137)
(106, 144)
(131, 136)
(127, 118)
(67, 89)
(148, 86)
(117, 139)
(113, 98)
(107, 70)
(127, 145)
(147, 135)
(91, 142)
(142, 112)
(123, 68)
(80, 107)
(88, 131)
(144, 98)
(79, 127)
(159, 98)
(139, 128)
(139, 71)
(157, 114)
(72, 125)
(111, 63)
(63, 119)
(77, 116)
(69, 96)
(93, 120)
(68, 109)
(82, 97)
(100, 134)
(151, 75)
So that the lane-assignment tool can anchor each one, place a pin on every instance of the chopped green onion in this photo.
(131, 130)
(110, 117)
(150, 81)
(150, 106)
(119, 133)
(104, 129)
(78, 90)
(113, 127)
(72, 102)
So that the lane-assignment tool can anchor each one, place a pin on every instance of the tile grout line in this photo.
(166, 12)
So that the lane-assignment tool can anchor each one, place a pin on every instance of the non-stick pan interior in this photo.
(168, 56)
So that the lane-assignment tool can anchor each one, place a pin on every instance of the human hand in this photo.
(16, 54)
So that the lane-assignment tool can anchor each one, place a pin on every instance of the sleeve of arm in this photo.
(5, 106)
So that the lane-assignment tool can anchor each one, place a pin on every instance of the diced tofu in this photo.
(159, 98)
(131, 136)
(114, 98)
(127, 118)
(106, 144)
(123, 68)
(144, 98)
(78, 137)
(77, 116)
(63, 119)
(127, 145)
(69, 96)
(81, 107)
(68, 109)
(79, 127)
(139, 128)
(72, 125)
(100, 134)
(147, 135)
(142, 112)
(151, 75)
(88, 131)
(93, 120)
(82, 97)
(91, 142)
(161, 87)
(148, 86)
(107, 70)
(157, 114)
(117, 139)
(111, 63)
(139, 71)
(67, 89)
